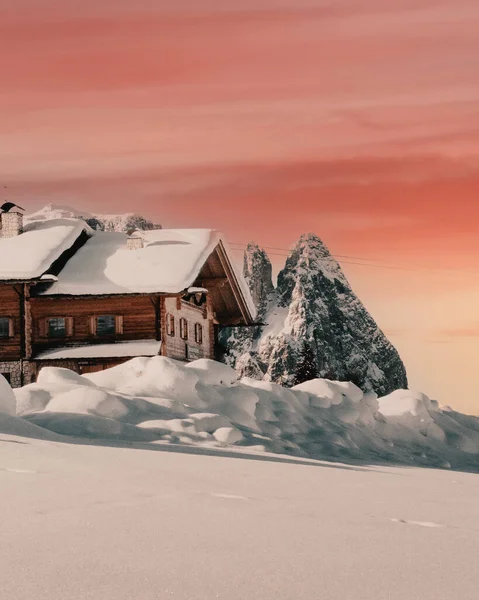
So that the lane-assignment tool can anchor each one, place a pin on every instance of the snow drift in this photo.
(159, 400)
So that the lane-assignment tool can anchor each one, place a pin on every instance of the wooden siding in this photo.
(178, 348)
(137, 312)
(80, 366)
(10, 306)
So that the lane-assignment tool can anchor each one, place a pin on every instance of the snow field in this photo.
(161, 400)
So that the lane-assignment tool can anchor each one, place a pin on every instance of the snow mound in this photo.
(7, 398)
(156, 377)
(85, 400)
(228, 435)
(160, 400)
(211, 372)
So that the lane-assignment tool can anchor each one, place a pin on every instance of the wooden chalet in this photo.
(88, 300)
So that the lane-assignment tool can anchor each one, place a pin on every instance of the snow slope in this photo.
(158, 522)
(202, 403)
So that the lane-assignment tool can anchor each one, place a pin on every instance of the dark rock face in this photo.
(313, 303)
(258, 272)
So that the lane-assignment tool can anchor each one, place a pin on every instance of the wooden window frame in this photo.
(183, 329)
(11, 328)
(69, 327)
(93, 326)
(170, 325)
(199, 334)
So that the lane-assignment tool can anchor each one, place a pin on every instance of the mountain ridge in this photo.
(98, 221)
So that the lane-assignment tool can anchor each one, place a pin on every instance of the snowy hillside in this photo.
(120, 222)
(312, 305)
(159, 400)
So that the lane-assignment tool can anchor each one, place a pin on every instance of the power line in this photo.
(286, 253)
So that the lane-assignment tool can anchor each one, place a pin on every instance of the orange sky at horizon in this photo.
(266, 119)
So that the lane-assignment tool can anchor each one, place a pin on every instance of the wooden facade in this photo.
(15, 332)
(136, 317)
(38, 329)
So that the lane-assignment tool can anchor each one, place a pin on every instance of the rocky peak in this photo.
(258, 273)
(309, 262)
(313, 303)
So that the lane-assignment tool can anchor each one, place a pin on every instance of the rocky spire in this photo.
(257, 271)
(313, 304)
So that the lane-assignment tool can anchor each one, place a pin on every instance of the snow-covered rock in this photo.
(7, 398)
(313, 303)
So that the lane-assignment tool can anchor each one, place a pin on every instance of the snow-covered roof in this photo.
(169, 262)
(30, 254)
(116, 350)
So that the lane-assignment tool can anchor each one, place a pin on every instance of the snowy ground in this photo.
(83, 522)
(156, 480)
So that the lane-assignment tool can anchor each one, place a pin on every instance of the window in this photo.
(105, 325)
(5, 327)
(183, 329)
(7, 377)
(56, 327)
(170, 325)
(198, 333)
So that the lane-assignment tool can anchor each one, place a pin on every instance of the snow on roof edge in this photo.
(126, 349)
(242, 284)
(78, 227)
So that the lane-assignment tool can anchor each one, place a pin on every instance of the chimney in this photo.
(134, 242)
(11, 224)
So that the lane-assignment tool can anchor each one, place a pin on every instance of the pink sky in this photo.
(269, 118)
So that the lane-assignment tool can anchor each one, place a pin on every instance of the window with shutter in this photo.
(170, 325)
(183, 329)
(198, 333)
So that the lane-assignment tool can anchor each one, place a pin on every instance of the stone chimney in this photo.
(11, 224)
(134, 242)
